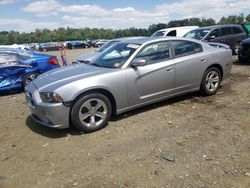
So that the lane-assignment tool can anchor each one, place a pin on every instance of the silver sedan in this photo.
(128, 75)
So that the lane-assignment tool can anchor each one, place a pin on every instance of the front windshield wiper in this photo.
(94, 64)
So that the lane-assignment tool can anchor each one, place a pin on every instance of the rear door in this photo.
(190, 63)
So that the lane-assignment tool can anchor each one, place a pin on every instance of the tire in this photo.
(236, 48)
(91, 112)
(29, 78)
(211, 81)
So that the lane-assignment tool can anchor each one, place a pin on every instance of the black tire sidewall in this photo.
(74, 116)
(203, 89)
(26, 76)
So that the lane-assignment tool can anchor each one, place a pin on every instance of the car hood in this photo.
(246, 41)
(87, 57)
(64, 75)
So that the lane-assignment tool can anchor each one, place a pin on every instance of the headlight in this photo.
(50, 97)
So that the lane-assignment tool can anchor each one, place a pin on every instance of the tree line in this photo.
(67, 34)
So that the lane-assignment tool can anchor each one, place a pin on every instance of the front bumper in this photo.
(244, 54)
(54, 115)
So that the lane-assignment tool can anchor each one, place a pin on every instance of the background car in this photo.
(77, 44)
(49, 46)
(92, 42)
(231, 35)
(89, 57)
(244, 51)
(174, 31)
(128, 75)
(19, 67)
(99, 43)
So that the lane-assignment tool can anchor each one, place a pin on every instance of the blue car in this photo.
(19, 67)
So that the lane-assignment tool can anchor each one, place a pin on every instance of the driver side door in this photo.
(155, 79)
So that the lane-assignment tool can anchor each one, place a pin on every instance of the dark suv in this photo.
(231, 35)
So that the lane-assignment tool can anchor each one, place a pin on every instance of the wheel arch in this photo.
(218, 66)
(102, 91)
(28, 73)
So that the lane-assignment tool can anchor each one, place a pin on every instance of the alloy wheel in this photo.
(212, 81)
(30, 78)
(93, 112)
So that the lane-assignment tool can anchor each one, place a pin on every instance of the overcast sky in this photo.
(27, 15)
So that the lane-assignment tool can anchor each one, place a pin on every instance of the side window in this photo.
(226, 31)
(172, 33)
(154, 53)
(214, 33)
(236, 30)
(184, 48)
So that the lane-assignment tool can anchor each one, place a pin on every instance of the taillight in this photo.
(53, 60)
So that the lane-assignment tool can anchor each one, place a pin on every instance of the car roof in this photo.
(156, 39)
(172, 28)
(127, 38)
(219, 26)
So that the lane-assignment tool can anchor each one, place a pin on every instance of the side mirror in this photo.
(138, 62)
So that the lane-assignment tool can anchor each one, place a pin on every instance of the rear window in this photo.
(184, 48)
(236, 30)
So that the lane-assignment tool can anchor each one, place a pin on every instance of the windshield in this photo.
(197, 33)
(115, 56)
(158, 34)
(106, 46)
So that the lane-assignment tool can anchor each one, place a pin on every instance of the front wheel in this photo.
(91, 112)
(211, 81)
(28, 78)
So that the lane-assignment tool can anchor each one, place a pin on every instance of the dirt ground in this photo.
(189, 141)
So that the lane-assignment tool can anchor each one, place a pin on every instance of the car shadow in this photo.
(237, 62)
(155, 105)
(59, 133)
(9, 93)
(50, 132)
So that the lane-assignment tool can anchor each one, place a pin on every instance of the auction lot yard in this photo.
(188, 141)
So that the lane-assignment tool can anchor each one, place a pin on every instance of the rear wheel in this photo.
(211, 81)
(91, 112)
(28, 78)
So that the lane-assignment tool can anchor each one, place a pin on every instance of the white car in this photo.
(174, 31)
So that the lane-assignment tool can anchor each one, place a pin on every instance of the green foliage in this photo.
(67, 34)
(248, 18)
(233, 19)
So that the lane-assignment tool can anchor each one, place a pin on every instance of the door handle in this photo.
(203, 60)
(169, 69)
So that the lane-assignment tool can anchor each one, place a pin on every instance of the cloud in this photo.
(43, 8)
(24, 25)
(4, 2)
(84, 10)
(91, 15)
(205, 8)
